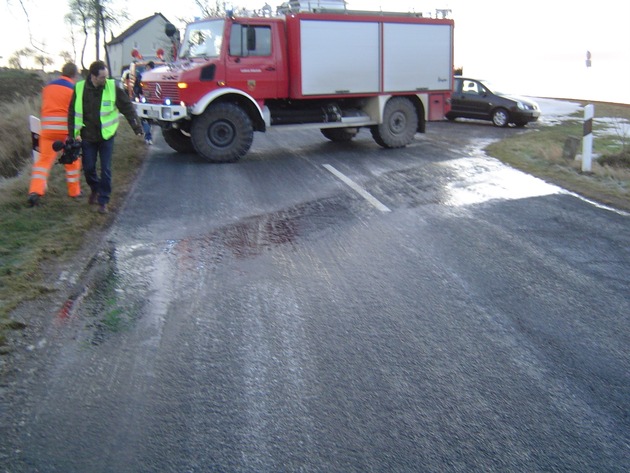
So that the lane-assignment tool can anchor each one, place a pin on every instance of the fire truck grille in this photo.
(158, 92)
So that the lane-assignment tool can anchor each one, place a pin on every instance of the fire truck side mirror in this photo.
(170, 30)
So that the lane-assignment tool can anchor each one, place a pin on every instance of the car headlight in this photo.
(527, 106)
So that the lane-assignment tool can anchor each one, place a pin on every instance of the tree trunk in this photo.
(97, 29)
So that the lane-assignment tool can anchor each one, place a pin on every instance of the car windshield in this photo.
(202, 39)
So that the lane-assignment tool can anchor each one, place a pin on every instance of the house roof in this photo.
(138, 25)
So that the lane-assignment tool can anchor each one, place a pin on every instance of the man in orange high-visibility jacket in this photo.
(56, 97)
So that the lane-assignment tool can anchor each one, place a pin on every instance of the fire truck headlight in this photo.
(143, 100)
(167, 101)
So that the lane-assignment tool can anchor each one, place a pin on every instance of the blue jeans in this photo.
(146, 126)
(101, 185)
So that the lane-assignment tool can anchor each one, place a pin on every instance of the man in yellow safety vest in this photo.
(93, 118)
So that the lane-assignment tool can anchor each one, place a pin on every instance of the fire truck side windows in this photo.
(250, 40)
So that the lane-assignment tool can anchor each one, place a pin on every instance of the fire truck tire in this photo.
(400, 123)
(177, 140)
(340, 135)
(223, 133)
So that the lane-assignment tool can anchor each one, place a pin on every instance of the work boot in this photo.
(102, 209)
(33, 200)
(93, 198)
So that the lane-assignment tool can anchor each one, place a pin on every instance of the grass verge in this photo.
(33, 238)
(539, 152)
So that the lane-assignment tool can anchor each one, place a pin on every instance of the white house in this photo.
(145, 36)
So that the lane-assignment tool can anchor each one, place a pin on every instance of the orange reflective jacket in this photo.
(56, 98)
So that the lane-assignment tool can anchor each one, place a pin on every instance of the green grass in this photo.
(539, 152)
(15, 135)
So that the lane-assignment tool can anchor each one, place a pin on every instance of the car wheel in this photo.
(500, 117)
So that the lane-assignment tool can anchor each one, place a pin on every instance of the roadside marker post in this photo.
(35, 126)
(587, 140)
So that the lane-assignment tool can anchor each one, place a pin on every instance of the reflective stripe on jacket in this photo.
(56, 97)
(108, 115)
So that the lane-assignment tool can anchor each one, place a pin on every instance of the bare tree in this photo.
(95, 16)
(206, 10)
(22, 4)
(15, 61)
(43, 60)
(66, 56)
(79, 17)
(71, 20)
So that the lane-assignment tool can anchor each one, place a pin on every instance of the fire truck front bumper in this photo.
(161, 113)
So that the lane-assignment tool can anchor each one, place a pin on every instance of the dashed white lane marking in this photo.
(358, 189)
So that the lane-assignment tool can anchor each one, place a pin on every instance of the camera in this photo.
(71, 150)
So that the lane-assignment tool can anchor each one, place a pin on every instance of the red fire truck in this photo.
(334, 71)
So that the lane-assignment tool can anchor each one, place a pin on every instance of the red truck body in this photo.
(334, 71)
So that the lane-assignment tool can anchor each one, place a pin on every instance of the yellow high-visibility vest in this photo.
(109, 113)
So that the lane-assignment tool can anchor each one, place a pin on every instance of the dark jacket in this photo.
(91, 130)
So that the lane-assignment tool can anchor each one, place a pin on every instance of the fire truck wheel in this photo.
(177, 140)
(400, 123)
(340, 135)
(223, 133)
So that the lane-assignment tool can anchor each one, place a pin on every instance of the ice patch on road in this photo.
(484, 179)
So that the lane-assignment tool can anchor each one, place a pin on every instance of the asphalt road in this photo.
(319, 307)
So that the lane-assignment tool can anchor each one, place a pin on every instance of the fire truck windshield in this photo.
(202, 39)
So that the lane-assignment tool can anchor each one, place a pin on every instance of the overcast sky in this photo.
(537, 46)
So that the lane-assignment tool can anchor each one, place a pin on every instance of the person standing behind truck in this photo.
(137, 90)
(56, 97)
(93, 118)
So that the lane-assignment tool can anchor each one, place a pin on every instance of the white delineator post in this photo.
(587, 141)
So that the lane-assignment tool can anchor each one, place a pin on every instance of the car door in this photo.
(251, 63)
(457, 105)
(469, 98)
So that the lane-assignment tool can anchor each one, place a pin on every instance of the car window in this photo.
(470, 87)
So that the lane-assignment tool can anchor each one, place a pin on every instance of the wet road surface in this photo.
(432, 311)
